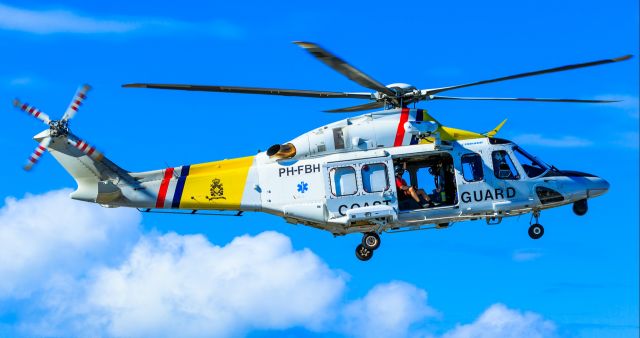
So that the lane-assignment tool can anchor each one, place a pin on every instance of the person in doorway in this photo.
(418, 195)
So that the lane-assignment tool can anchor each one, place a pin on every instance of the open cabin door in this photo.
(431, 176)
(360, 183)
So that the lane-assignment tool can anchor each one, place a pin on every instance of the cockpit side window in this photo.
(503, 166)
(472, 167)
(532, 167)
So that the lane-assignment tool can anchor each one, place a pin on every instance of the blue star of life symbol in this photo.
(302, 187)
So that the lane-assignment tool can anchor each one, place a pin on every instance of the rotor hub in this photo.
(401, 88)
(59, 127)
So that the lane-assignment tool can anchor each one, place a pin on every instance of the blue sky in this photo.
(581, 279)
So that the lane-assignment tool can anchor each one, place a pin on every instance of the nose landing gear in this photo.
(580, 207)
(536, 230)
(370, 242)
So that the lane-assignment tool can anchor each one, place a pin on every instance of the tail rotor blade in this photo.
(37, 153)
(86, 148)
(33, 111)
(75, 104)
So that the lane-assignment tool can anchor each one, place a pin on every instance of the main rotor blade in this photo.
(344, 68)
(33, 111)
(81, 94)
(366, 106)
(254, 90)
(432, 91)
(40, 149)
(435, 97)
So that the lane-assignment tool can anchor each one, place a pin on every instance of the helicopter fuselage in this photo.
(343, 178)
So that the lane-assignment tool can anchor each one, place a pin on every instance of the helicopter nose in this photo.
(597, 186)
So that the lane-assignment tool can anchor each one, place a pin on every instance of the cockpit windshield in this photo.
(532, 166)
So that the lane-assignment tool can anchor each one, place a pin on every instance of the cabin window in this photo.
(503, 166)
(532, 167)
(343, 181)
(472, 167)
(375, 177)
(338, 138)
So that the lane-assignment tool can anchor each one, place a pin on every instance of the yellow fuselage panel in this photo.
(447, 133)
(453, 134)
(216, 185)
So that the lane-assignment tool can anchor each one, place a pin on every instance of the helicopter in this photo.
(392, 170)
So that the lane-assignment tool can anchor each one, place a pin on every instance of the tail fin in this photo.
(495, 130)
(97, 177)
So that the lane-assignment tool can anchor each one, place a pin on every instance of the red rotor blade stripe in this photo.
(88, 150)
(33, 111)
(37, 153)
(77, 101)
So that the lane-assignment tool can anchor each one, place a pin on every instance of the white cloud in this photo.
(44, 237)
(57, 21)
(67, 21)
(75, 269)
(561, 142)
(499, 321)
(526, 255)
(628, 103)
(388, 310)
(176, 285)
(20, 81)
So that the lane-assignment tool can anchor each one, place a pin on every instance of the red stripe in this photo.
(84, 146)
(81, 95)
(33, 160)
(36, 114)
(41, 147)
(74, 108)
(163, 187)
(404, 117)
(91, 150)
(24, 107)
(31, 110)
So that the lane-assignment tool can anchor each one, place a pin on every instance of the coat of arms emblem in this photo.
(216, 191)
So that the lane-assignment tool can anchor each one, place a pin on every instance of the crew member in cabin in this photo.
(418, 195)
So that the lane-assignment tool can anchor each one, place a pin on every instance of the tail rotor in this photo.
(59, 128)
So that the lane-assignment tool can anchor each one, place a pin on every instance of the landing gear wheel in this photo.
(363, 253)
(580, 207)
(371, 241)
(536, 231)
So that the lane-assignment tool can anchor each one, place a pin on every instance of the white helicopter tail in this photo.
(97, 176)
